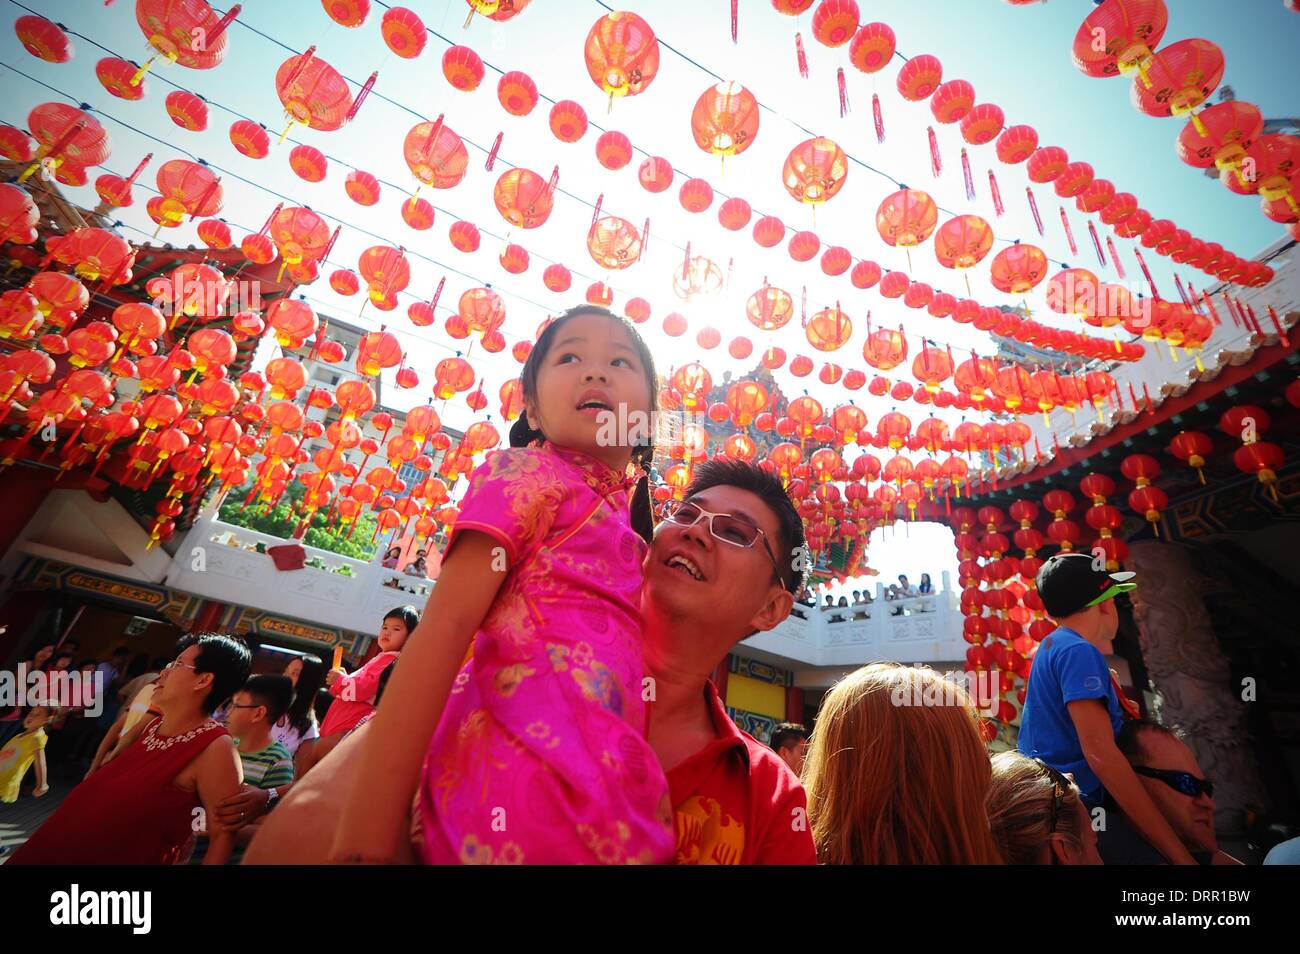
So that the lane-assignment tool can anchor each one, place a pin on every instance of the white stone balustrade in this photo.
(928, 630)
(221, 562)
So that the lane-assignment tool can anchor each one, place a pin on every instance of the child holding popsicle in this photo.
(533, 751)
(354, 693)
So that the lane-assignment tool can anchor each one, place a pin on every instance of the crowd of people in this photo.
(553, 703)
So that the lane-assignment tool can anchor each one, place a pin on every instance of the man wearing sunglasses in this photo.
(1183, 795)
(726, 562)
(1073, 707)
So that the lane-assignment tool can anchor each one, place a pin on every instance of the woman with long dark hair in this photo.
(298, 725)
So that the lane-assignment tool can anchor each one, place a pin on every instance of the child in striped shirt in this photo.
(267, 764)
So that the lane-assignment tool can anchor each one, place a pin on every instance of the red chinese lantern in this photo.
(404, 32)
(885, 349)
(1230, 129)
(804, 245)
(435, 155)
(464, 236)
(770, 308)
(598, 293)
(517, 93)
(963, 241)
(734, 214)
(1018, 268)
(308, 163)
(829, 329)
(982, 124)
(1046, 163)
(361, 187)
(348, 13)
(614, 243)
(67, 135)
(696, 195)
(314, 94)
(1017, 144)
(568, 121)
(622, 54)
(906, 218)
(514, 259)
(815, 170)
(418, 214)
(613, 150)
(725, 119)
(215, 233)
(1263, 460)
(115, 76)
(769, 231)
(1178, 78)
(865, 274)
(1074, 178)
(952, 101)
(919, 77)
(872, 47)
(189, 34)
(385, 270)
(524, 198)
(250, 138)
(836, 260)
(43, 39)
(187, 110)
(655, 174)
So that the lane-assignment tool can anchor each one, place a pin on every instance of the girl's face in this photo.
(593, 394)
(43, 655)
(392, 635)
(293, 671)
(37, 718)
(63, 662)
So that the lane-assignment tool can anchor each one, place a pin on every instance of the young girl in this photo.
(539, 754)
(24, 750)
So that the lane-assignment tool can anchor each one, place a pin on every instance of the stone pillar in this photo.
(1191, 676)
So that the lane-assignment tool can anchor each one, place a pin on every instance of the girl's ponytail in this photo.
(521, 435)
(642, 511)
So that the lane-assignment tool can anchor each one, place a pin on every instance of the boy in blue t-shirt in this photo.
(1073, 709)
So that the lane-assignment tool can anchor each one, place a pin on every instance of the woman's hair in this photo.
(1020, 807)
(391, 551)
(522, 435)
(897, 772)
(228, 659)
(310, 681)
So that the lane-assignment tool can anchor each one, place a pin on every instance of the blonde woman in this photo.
(1037, 816)
(897, 772)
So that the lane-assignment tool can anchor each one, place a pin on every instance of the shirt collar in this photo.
(729, 734)
(598, 475)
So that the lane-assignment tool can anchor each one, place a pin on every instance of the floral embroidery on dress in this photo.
(155, 744)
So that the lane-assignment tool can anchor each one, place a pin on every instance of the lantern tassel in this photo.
(800, 56)
(877, 118)
(844, 92)
(966, 175)
(1182, 293)
(998, 207)
(1069, 233)
(1209, 303)
(361, 96)
(1096, 242)
(734, 21)
(1278, 325)
(1033, 207)
(492, 153)
(1114, 257)
(936, 161)
(1147, 272)
(595, 211)
(645, 237)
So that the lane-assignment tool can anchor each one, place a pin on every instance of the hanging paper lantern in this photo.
(613, 150)
(1046, 163)
(829, 329)
(1018, 268)
(348, 13)
(906, 218)
(43, 39)
(865, 274)
(770, 308)
(734, 214)
(1128, 31)
(1017, 144)
(524, 198)
(514, 259)
(655, 174)
(308, 163)
(313, 93)
(872, 47)
(568, 121)
(613, 242)
(1098, 194)
(815, 170)
(836, 260)
(517, 93)
(804, 245)
(435, 155)
(952, 101)
(215, 233)
(69, 135)
(769, 231)
(418, 214)
(598, 293)
(963, 241)
(250, 139)
(385, 270)
(919, 77)
(464, 236)
(1192, 447)
(637, 309)
(404, 32)
(557, 278)
(1229, 130)
(1263, 460)
(1074, 178)
(835, 22)
(674, 325)
(622, 54)
(1178, 78)
(885, 349)
(344, 282)
(187, 110)
(725, 119)
(894, 285)
(361, 187)
(115, 76)
(695, 195)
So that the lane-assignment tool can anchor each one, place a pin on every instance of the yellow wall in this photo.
(755, 696)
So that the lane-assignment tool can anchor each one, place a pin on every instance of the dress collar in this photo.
(598, 475)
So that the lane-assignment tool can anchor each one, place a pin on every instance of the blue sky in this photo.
(1015, 56)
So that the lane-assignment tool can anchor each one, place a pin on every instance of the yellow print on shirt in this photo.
(706, 835)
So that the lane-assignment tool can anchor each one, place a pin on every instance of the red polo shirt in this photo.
(735, 802)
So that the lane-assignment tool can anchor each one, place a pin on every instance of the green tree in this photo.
(282, 519)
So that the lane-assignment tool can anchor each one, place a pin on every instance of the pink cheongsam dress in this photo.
(540, 756)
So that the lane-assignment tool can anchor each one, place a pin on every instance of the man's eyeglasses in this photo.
(176, 662)
(725, 527)
(1184, 782)
(1060, 785)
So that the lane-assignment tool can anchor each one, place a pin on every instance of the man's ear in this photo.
(776, 607)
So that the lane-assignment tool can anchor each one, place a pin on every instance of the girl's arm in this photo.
(376, 812)
(42, 786)
(218, 775)
(361, 685)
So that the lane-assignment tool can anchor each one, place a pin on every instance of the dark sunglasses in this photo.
(1060, 786)
(1184, 782)
(725, 527)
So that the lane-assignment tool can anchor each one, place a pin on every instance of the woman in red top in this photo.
(142, 806)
